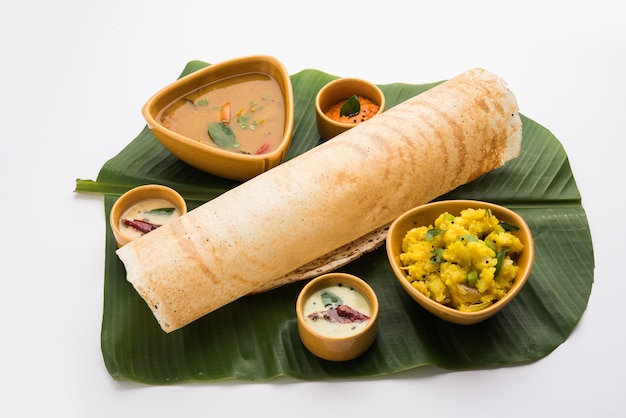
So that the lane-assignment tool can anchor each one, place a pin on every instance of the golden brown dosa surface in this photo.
(249, 238)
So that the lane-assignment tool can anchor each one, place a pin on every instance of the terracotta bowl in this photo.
(337, 347)
(425, 215)
(336, 91)
(135, 196)
(213, 159)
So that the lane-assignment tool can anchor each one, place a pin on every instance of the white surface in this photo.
(65, 66)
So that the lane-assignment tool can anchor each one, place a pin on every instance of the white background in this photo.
(73, 78)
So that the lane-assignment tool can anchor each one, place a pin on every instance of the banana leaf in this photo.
(256, 338)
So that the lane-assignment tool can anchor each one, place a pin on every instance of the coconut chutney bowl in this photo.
(482, 296)
(337, 316)
(233, 119)
(143, 209)
(344, 103)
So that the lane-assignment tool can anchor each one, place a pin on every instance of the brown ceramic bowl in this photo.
(336, 91)
(425, 215)
(340, 347)
(135, 196)
(213, 159)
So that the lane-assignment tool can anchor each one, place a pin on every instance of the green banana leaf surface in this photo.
(256, 337)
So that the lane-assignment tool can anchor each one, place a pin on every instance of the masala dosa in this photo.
(249, 238)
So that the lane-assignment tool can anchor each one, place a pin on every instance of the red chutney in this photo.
(368, 110)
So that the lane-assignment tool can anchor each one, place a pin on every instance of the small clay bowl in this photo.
(425, 215)
(337, 91)
(136, 196)
(340, 346)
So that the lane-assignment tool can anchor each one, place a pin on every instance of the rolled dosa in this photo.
(250, 237)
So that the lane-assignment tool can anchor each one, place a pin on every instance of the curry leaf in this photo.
(331, 299)
(468, 238)
(351, 107)
(435, 257)
(508, 227)
(434, 232)
(162, 210)
(222, 135)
